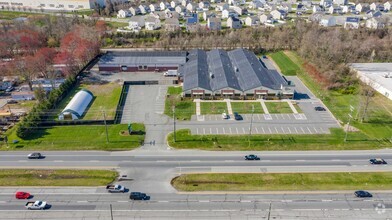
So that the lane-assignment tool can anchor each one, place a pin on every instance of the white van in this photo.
(171, 73)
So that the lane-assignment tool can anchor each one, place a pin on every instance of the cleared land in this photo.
(378, 123)
(278, 107)
(106, 98)
(21, 177)
(246, 107)
(184, 108)
(77, 137)
(278, 142)
(283, 181)
(213, 107)
(285, 64)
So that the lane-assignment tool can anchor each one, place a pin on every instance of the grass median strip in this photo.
(21, 177)
(283, 181)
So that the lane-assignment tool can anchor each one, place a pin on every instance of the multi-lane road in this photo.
(151, 172)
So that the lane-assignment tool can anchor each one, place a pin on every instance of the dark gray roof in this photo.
(250, 72)
(143, 57)
(221, 71)
(196, 71)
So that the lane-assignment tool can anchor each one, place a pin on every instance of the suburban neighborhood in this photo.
(114, 109)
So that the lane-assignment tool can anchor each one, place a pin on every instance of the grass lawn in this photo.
(246, 107)
(184, 108)
(9, 15)
(114, 24)
(19, 177)
(105, 98)
(299, 110)
(278, 107)
(213, 107)
(286, 65)
(378, 125)
(276, 142)
(283, 181)
(77, 137)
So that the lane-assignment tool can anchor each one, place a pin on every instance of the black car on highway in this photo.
(35, 156)
(139, 196)
(362, 194)
(252, 157)
(377, 161)
(237, 116)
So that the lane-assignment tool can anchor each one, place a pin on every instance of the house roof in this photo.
(352, 19)
(142, 57)
(196, 71)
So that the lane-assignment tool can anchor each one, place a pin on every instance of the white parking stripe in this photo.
(296, 130)
(263, 130)
(236, 130)
(315, 130)
(289, 130)
(204, 131)
(217, 132)
(288, 115)
(197, 130)
(258, 116)
(276, 130)
(309, 130)
(210, 130)
(243, 129)
(257, 130)
(230, 130)
(270, 130)
(224, 132)
(283, 131)
(302, 130)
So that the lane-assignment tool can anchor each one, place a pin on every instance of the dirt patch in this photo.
(315, 74)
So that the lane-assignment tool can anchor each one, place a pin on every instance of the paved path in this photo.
(265, 109)
(292, 107)
(229, 109)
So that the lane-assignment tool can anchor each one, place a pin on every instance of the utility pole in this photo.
(349, 120)
(174, 123)
(106, 126)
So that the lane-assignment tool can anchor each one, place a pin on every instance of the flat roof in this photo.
(376, 72)
(143, 57)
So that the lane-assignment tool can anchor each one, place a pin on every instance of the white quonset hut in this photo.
(77, 106)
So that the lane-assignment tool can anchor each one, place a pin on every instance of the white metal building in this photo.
(56, 5)
(77, 106)
(376, 75)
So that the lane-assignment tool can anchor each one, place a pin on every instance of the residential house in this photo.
(161, 15)
(387, 6)
(192, 23)
(346, 9)
(216, 1)
(191, 7)
(214, 24)
(269, 6)
(252, 21)
(204, 5)
(221, 6)
(174, 3)
(373, 6)
(292, 1)
(172, 24)
(373, 14)
(144, 9)
(136, 23)
(255, 4)
(184, 2)
(135, 11)
(229, 13)
(208, 14)
(340, 2)
(180, 9)
(172, 14)
(154, 7)
(326, 3)
(124, 13)
(316, 9)
(376, 7)
(165, 5)
(301, 8)
(362, 7)
(327, 21)
(307, 3)
(331, 10)
(240, 11)
(234, 23)
(375, 23)
(279, 14)
(152, 23)
(351, 23)
(287, 7)
(266, 18)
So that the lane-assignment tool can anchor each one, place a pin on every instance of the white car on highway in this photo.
(37, 205)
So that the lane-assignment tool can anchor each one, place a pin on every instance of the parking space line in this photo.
(217, 132)
(276, 130)
(210, 130)
(302, 130)
(283, 131)
(270, 130)
(236, 129)
(315, 130)
(243, 129)
(263, 130)
(230, 130)
(295, 128)
(309, 130)
(197, 130)
(289, 130)
(204, 131)
(258, 117)
(288, 115)
(257, 130)
(224, 132)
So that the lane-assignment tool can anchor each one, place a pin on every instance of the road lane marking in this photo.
(287, 200)
(58, 161)
(326, 200)
(161, 161)
(22, 160)
(81, 201)
(94, 161)
(163, 201)
(195, 160)
(122, 201)
(246, 201)
(204, 201)
(300, 160)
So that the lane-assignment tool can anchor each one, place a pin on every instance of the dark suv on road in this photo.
(35, 156)
(361, 194)
(377, 161)
(139, 196)
(252, 157)
(237, 116)
(319, 109)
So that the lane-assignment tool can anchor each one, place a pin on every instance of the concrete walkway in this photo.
(292, 107)
(198, 111)
(229, 109)
(265, 109)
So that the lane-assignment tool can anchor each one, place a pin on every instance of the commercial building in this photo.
(58, 5)
(376, 75)
(133, 61)
(77, 106)
(237, 74)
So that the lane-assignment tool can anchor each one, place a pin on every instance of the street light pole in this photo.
(251, 121)
(174, 123)
(106, 126)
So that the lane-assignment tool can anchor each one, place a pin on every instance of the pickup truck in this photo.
(115, 188)
(36, 205)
